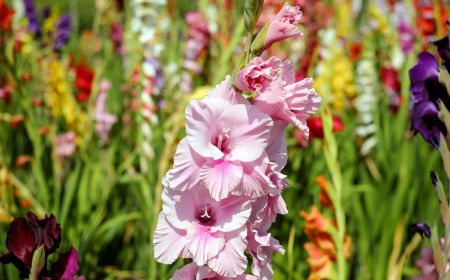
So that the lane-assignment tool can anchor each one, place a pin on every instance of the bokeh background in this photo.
(104, 183)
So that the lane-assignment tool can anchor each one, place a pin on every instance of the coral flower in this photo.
(319, 262)
(16, 120)
(22, 160)
(6, 16)
(325, 199)
(192, 224)
(83, 82)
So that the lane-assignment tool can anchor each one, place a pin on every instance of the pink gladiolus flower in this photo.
(104, 119)
(192, 224)
(194, 272)
(261, 246)
(224, 148)
(289, 101)
(426, 264)
(284, 25)
(258, 74)
(65, 144)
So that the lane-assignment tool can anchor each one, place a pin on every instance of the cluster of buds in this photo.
(224, 190)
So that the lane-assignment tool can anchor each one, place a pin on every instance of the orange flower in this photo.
(355, 50)
(319, 263)
(22, 160)
(16, 119)
(25, 203)
(16, 193)
(325, 199)
(44, 130)
(6, 15)
(322, 250)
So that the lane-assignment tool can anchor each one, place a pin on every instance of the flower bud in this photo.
(252, 10)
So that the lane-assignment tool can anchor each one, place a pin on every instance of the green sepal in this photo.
(445, 156)
(238, 68)
(37, 263)
(437, 252)
(252, 10)
(258, 42)
(445, 212)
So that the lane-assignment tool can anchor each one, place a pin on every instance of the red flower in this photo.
(316, 126)
(15, 120)
(22, 160)
(83, 82)
(6, 15)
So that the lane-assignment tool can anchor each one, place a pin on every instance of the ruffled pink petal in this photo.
(225, 91)
(205, 272)
(245, 277)
(254, 182)
(232, 213)
(179, 207)
(204, 244)
(220, 177)
(187, 272)
(169, 242)
(284, 25)
(258, 74)
(249, 131)
(277, 148)
(286, 115)
(201, 120)
(289, 72)
(231, 261)
(186, 168)
(271, 100)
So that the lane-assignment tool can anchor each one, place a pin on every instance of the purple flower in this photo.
(158, 78)
(30, 13)
(25, 236)
(425, 120)
(46, 12)
(420, 228)
(425, 83)
(444, 50)
(65, 267)
(117, 37)
(63, 32)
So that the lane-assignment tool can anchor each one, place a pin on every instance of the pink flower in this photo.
(258, 74)
(266, 208)
(284, 25)
(104, 119)
(65, 144)
(225, 146)
(289, 101)
(426, 264)
(194, 272)
(193, 225)
(261, 246)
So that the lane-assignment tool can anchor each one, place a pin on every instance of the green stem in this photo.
(248, 44)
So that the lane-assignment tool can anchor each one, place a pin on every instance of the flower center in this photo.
(222, 139)
(205, 216)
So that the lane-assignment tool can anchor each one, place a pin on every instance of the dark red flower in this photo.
(83, 82)
(316, 126)
(25, 236)
(20, 242)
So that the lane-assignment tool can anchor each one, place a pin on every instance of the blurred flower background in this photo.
(92, 100)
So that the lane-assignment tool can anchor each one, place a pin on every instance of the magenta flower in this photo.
(284, 25)
(224, 148)
(406, 36)
(65, 268)
(193, 224)
(426, 264)
(194, 272)
(258, 74)
(289, 101)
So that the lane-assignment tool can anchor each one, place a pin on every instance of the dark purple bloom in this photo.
(425, 83)
(434, 178)
(25, 236)
(425, 120)
(444, 49)
(65, 267)
(30, 13)
(62, 32)
(46, 12)
(420, 228)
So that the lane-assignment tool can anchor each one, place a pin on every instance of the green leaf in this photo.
(258, 43)
(445, 212)
(437, 252)
(38, 263)
(238, 67)
(445, 156)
